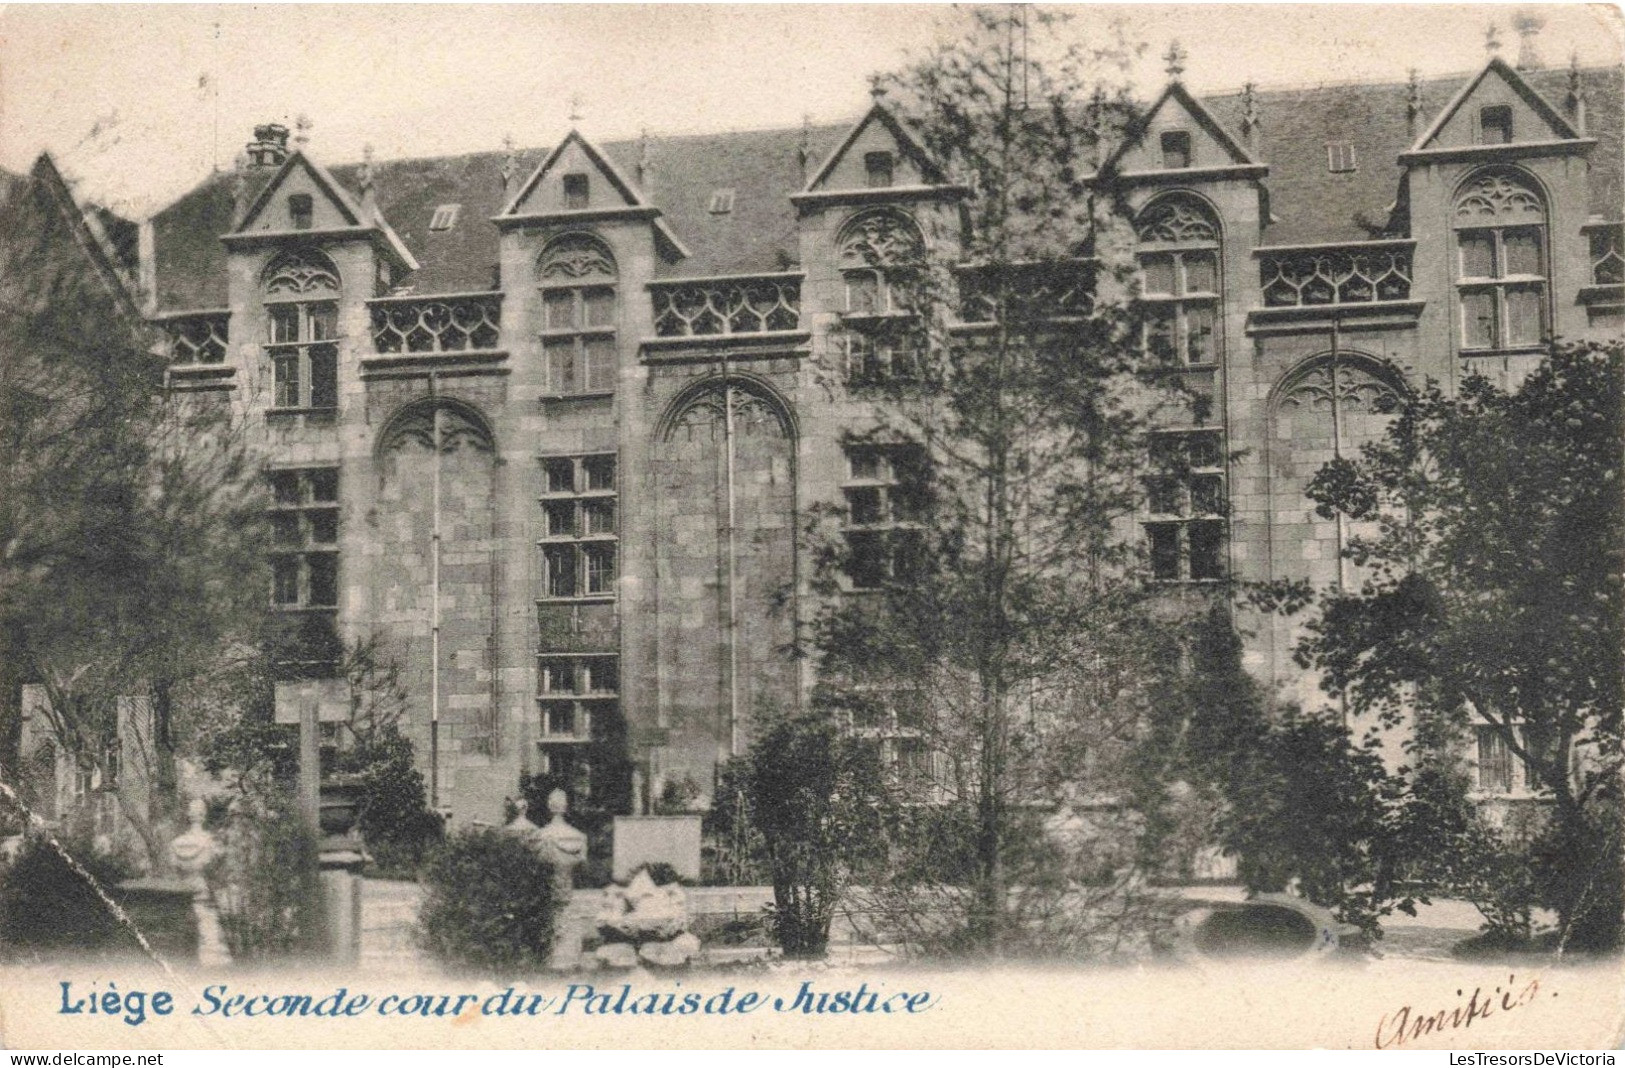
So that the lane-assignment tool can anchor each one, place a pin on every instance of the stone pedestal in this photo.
(190, 854)
(565, 848)
(341, 859)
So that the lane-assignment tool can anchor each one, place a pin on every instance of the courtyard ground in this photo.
(389, 911)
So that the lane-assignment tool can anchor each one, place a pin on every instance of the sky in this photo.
(138, 103)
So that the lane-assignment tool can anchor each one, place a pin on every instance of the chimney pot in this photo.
(270, 145)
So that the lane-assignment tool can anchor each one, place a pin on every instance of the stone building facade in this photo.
(549, 422)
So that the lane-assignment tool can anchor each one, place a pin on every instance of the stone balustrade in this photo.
(456, 322)
(197, 337)
(745, 305)
(1357, 273)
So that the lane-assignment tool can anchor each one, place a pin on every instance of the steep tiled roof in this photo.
(680, 175)
(1311, 204)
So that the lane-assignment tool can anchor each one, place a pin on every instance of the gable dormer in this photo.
(578, 182)
(304, 201)
(878, 160)
(1180, 140)
(1497, 114)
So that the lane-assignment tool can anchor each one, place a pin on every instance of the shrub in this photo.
(811, 792)
(490, 904)
(393, 811)
(267, 881)
(47, 906)
(1321, 811)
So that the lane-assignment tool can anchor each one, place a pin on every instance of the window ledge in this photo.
(600, 394)
(591, 598)
(1179, 369)
(288, 412)
(414, 364)
(1539, 349)
(777, 338)
(1613, 293)
(200, 377)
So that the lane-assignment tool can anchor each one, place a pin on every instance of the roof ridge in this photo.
(1361, 83)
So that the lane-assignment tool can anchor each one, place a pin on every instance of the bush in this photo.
(267, 881)
(393, 810)
(46, 906)
(490, 904)
(811, 792)
(1321, 811)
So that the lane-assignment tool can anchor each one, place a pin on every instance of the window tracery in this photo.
(578, 276)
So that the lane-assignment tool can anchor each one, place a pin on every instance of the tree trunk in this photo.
(164, 801)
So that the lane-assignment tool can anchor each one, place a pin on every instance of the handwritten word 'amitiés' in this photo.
(1410, 1023)
(584, 999)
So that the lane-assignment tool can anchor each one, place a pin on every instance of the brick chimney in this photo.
(1528, 27)
(270, 145)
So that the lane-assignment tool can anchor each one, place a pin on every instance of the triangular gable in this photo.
(332, 207)
(878, 131)
(1177, 109)
(1497, 83)
(574, 154)
(90, 239)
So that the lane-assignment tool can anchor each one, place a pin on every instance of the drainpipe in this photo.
(1337, 452)
(434, 611)
(733, 571)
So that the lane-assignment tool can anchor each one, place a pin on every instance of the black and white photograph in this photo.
(784, 526)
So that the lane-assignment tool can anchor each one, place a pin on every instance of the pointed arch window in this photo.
(301, 292)
(1179, 262)
(880, 258)
(578, 275)
(1500, 224)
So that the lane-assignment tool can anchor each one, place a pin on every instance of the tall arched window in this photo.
(301, 314)
(880, 258)
(1500, 222)
(577, 274)
(1179, 258)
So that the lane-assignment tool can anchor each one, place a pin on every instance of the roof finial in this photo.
(510, 165)
(877, 87)
(1492, 40)
(1175, 58)
(576, 101)
(804, 149)
(1249, 115)
(643, 154)
(366, 180)
(1576, 97)
(301, 136)
(1413, 101)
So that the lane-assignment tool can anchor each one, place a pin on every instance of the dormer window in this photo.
(1340, 157)
(878, 167)
(722, 201)
(1176, 150)
(1495, 125)
(445, 217)
(576, 195)
(302, 210)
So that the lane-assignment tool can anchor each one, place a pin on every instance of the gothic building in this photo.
(550, 421)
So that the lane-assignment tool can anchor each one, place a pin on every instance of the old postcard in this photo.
(811, 526)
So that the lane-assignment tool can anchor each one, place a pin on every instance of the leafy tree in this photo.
(811, 792)
(1006, 628)
(130, 521)
(1492, 595)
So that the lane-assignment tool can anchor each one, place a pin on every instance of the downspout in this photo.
(434, 611)
(1337, 450)
(1337, 453)
(733, 569)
